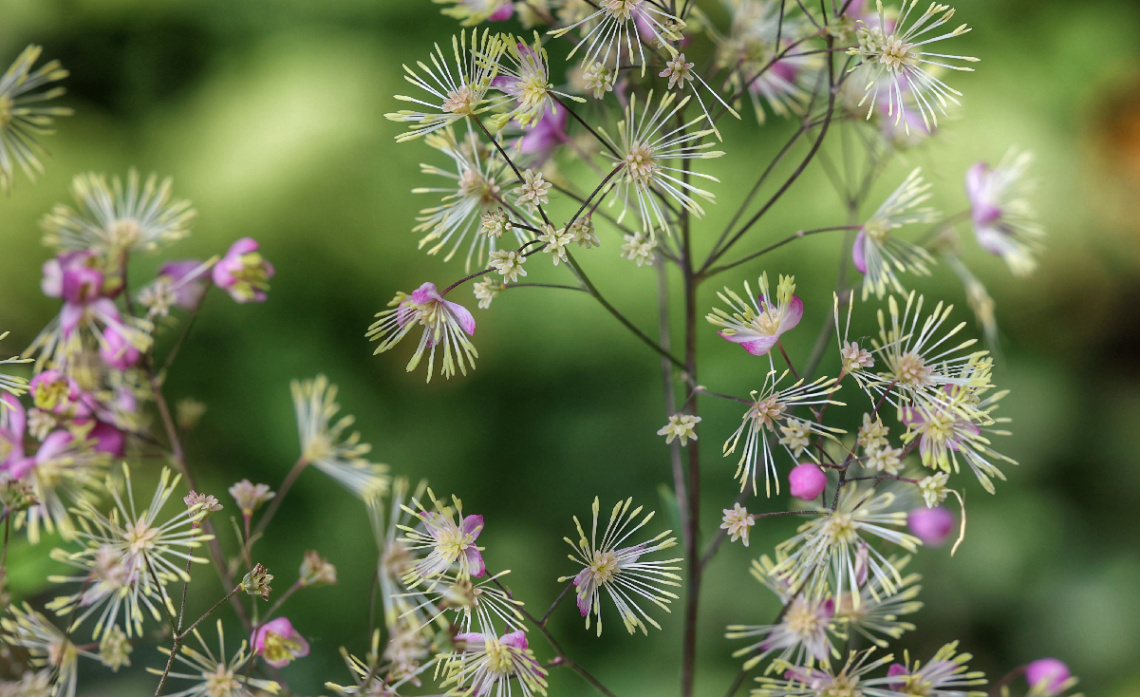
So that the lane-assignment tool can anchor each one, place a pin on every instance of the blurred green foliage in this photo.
(269, 116)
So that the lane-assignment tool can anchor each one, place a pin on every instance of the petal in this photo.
(472, 525)
(794, 315)
(976, 179)
(858, 255)
(761, 346)
(462, 315)
(475, 565)
(425, 293)
(516, 640)
(55, 443)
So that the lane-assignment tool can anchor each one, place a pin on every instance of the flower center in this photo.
(460, 101)
(453, 542)
(877, 230)
(896, 53)
(279, 648)
(475, 186)
(603, 567)
(221, 682)
(125, 233)
(640, 164)
(621, 10)
(767, 412)
(912, 371)
(499, 658)
(803, 620)
(840, 529)
(141, 537)
(842, 687)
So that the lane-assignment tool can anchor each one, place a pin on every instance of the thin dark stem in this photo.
(670, 393)
(555, 604)
(1007, 679)
(509, 162)
(618, 315)
(212, 610)
(787, 359)
(597, 136)
(799, 234)
(286, 485)
(543, 285)
(186, 327)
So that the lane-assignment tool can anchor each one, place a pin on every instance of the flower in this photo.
(180, 284)
(1048, 676)
(250, 496)
(444, 322)
(878, 254)
(467, 600)
(639, 247)
(933, 488)
(738, 522)
(509, 263)
(896, 58)
(127, 554)
(243, 272)
(1004, 222)
(758, 325)
(582, 232)
(931, 525)
(554, 242)
(22, 117)
(545, 136)
(613, 26)
(682, 426)
(472, 12)
(620, 571)
(807, 481)
(115, 649)
(472, 194)
(801, 636)
(113, 219)
(278, 643)
(316, 570)
(54, 391)
(448, 544)
(214, 674)
(486, 291)
(47, 646)
(454, 93)
(885, 459)
(533, 192)
(771, 408)
(325, 445)
(875, 614)
(944, 675)
(527, 80)
(834, 541)
(830, 679)
(645, 142)
(487, 662)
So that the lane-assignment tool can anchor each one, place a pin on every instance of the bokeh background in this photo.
(269, 116)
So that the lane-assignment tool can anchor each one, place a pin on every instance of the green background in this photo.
(269, 116)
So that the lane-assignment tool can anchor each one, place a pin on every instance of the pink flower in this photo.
(188, 281)
(445, 323)
(757, 327)
(453, 544)
(1004, 223)
(502, 14)
(278, 643)
(1049, 674)
(72, 276)
(548, 133)
(54, 391)
(807, 481)
(116, 350)
(243, 272)
(931, 525)
(13, 424)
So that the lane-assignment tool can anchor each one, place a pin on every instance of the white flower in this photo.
(509, 263)
(555, 242)
(325, 445)
(620, 570)
(454, 92)
(738, 522)
(485, 664)
(532, 193)
(681, 426)
(215, 674)
(878, 254)
(613, 27)
(1003, 218)
(898, 61)
(639, 247)
(22, 116)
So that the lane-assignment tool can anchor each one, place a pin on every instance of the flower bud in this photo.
(1047, 676)
(931, 525)
(256, 582)
(250, 496)
(315, 570)
(808, 481)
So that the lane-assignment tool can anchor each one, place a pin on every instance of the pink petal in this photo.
(472, 525)
(475, 565)
(858, 254)
(761, 346)
(463, 316)
(515, 639)
(17, 418)
(795, 314)
(425, 293)
(53, 445)
(502, 14)
(976, 178)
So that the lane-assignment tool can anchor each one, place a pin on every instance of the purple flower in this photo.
(757, 327)
(116, 349)
(445, 323)
(1048, 674)
(188, 281)
(54, 391)
(278, 643)
(72, 276)
(931, 525)
(243, 272)
(1004, 223)
(548, 133)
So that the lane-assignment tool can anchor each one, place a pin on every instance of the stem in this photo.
(555, 604)
(790, 238)
(692, 550)
(287, 484)
(677, 464)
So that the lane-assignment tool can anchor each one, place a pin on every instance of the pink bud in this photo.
(117, 351)
(1048, 673)
(895, 671)
(808, 481)
(931, 525)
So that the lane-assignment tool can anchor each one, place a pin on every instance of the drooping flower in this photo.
(878, 254)
(646, 142)
(113, 585)
(23, 116)
(114, 219)
(215, 674)
(485, 664)
(544, 137)
(454, 92)
(472, 194)
(1004, 221)
(448, 544)
(834, 542)
(243, 272)
(758, 323)
(772, 408)
(738, 522)
(620, 570)
(279, 643)
(900, 63)
(612, 31)
(325, 444)
(944, 675)
(180, 284)
(444, 322)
